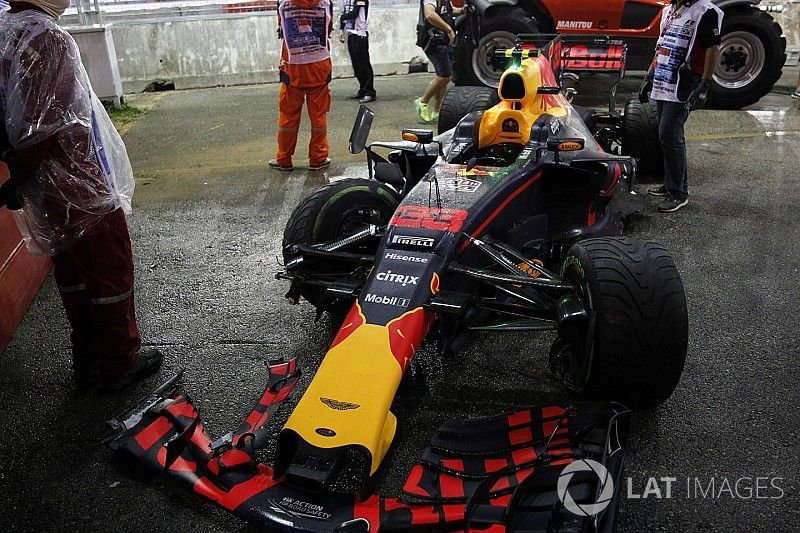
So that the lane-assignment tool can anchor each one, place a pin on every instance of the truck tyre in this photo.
(335, 210)
(474, 65)
(751, 57)
(633, 347)
(462, 100)
(640, 137)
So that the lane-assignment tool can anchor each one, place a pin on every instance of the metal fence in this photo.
(85, 12)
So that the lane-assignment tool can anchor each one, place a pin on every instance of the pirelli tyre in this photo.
(338, 209)
(751, 56)
(474, 65)
(640, 137)
(461, 100)
(632, 347)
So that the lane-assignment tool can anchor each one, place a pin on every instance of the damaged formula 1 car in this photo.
(507, 223)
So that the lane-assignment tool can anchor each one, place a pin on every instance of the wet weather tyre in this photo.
(336, 210)
(752, 55)
(473, 65)
(640, 137)
(462, 100)
(633, 348)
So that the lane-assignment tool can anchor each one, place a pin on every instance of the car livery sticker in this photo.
(424, 243)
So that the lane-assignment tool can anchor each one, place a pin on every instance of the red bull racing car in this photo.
(510, 222)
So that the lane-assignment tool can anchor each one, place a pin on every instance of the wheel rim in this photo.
(482, 64)
(741, 59)
(358, 218)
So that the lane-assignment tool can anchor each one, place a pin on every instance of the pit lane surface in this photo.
(207, 227)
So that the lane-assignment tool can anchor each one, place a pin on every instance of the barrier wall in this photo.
(204, 52)
(229, 50)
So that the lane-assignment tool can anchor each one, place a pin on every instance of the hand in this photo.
(341, 37)
(645, 88)
(9, 197)
(452, 36)
(697, 99)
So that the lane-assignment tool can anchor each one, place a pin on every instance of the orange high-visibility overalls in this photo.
(305, 72)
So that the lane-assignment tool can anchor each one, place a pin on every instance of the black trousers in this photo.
(358, 47)
(671, 119)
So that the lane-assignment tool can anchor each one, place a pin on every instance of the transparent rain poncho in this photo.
(45, 94)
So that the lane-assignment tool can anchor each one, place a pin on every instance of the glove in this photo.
(645, 88)
(697, 99)
(9, 197)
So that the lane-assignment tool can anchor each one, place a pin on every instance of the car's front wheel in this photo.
(334, 211)
(632, 346)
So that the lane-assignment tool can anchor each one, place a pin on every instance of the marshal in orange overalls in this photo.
(305, 73)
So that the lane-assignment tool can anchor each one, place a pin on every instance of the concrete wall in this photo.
(203, 52)
(207, 51)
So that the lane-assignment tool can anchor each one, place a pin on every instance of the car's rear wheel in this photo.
(336, 210)
(459, 101)
(751, 56)
(474, 65)
(632, 348)
(640, 137)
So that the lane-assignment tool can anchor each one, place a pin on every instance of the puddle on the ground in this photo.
(353, 170)
(769, 118)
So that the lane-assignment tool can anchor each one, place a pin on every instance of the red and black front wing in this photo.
(498, 474)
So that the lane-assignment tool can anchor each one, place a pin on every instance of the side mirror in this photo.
(418, 136)
(361, 127)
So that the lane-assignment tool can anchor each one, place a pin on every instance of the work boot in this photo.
(147, 363)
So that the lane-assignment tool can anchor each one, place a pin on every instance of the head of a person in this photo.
(54, 8)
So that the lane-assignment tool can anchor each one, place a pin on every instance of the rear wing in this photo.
(573, 55)
(579, 53)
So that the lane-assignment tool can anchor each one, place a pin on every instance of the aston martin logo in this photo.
(339, 406)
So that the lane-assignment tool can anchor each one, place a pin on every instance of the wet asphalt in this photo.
(207, 226)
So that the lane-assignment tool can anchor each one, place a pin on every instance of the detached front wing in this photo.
(499, 474)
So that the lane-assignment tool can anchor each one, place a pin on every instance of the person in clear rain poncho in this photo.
(71, 186)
